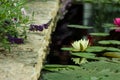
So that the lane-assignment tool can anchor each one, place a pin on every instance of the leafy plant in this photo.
(13, 21)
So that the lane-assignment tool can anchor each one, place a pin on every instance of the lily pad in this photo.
(67, 49)
(99, 34)
(95, 49)
(112, 54)
(108, 25)
(108, 42)
(113, 49)
(84, 55)
(112, 28)
(100, 70)
(80, 26)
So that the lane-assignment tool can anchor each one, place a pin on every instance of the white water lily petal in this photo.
(76, 46)
(84, 44)
(80, 45)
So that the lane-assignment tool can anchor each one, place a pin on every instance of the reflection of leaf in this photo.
(107, 42)
(95, 49)
(79, 60)
(80, 26)
(76, 60)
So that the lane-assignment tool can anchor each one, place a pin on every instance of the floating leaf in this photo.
(84, 55)
(108, 25)
(100, 70)
(112, 54)
(99, 34)
(107, 42)
(113, 49)
(58, 67)
(113, 28)
(67, 49)
(80, 26)
(95, 49)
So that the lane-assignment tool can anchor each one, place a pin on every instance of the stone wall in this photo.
(24, 62)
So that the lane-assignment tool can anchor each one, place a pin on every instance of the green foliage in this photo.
(11, 18)
(101, 70)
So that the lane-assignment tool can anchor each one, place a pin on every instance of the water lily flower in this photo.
(80, 45)
(117, 23)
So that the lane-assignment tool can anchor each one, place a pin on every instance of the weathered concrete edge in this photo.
(42, 52)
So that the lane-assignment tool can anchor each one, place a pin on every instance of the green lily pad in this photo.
(99, 34)
(112, 54)
(80, 26)
(95, 49)
(107, 42)
(112, 28)
(108, 25)
(84, 55)
(113, 49)
(100, 70)
(66, 49)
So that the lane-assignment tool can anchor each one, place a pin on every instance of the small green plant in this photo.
(13, 21)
